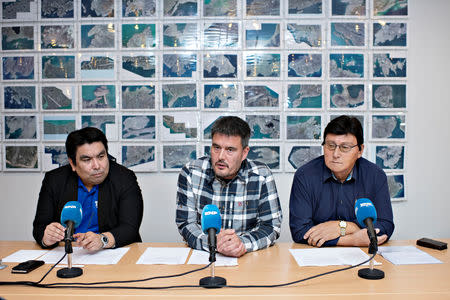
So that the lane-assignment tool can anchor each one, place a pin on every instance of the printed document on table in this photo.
(407, 255)
(329, 256)
(24, 255)
(164, 256)
(199, 257)
(81, 256)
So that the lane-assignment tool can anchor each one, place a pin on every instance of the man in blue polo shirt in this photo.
(324, 191)
(109, 194)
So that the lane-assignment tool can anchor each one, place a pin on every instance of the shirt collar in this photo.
(327, 174)
(81, 185)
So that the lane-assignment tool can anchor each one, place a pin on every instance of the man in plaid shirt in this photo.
(243, 190)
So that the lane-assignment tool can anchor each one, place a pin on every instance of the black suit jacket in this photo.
(120, 204)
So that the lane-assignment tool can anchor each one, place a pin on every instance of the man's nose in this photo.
(95, 164)
(221, 154)
(337, 152)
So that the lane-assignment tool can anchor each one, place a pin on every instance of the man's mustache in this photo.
(221, 162)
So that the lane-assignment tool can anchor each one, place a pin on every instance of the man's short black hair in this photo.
(232, 126)
(87, 135)
(345, 125)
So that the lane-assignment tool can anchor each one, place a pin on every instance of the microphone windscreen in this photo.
(211, 218)
(72, 212)
(364, 209)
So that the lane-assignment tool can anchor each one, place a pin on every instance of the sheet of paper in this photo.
(329, 256)
(199, 257)
(24, 255)
(164, 256)
(407, 255)
(81, 256)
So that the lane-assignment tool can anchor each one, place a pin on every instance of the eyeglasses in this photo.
(343, 147)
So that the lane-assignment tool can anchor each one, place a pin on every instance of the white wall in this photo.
(425, 212)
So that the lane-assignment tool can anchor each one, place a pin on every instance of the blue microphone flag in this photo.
(211, 218)
(72, 212)
(364, 209)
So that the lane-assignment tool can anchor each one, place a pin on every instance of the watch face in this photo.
(342, 224)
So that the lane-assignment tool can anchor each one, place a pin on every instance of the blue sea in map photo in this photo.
(398, 132)
(381, 163)
(401, 193)
(88, 12)
(398, 72)
(87, 94)
(57, 152)
(353, 91)
(127, 164)
(187, 69)
(268, 36)
(62, 127)
(263, 65)
(93, 121)
(232, 59)
(314, 8)
(86, 40)
(18, 73)
(57, 14)
(295, 58)
(184, 9)
(19, 133)
(339, 7)
(18, 43)
(185, 153)
(338, 40)
(397, 41)
(350, 62)
(135, 133)
(398, 95)
(146, 72)
(307, 102)
(254, 155)
(216, 102)
(130, 30)
(184, 101)
(187, 36)
(11, 92)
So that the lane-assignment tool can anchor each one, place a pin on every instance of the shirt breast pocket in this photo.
(247, 212)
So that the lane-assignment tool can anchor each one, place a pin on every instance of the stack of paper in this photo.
(329, 256)
(407, 255)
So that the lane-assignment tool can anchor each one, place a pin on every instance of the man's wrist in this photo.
(104, 240)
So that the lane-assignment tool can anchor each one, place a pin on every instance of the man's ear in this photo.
(245, 152)
(361, 151)
(72, 165)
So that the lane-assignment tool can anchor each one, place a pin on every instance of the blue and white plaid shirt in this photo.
(248, 204)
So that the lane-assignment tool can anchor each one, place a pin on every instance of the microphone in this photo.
(366, 215)
(211, 223)
(71, 216)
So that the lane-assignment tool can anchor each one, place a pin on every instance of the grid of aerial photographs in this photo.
(155, 74)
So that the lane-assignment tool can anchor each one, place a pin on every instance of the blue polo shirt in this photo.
(89, 204)
(317, 196)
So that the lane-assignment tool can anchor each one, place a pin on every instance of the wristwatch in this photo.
(104, 240)
(343, 227)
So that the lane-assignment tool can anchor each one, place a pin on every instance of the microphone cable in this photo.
(32, 283)
(92, 285)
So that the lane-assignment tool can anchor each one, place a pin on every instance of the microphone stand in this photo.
(370, 272)
(69, 272)
(211, 282)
